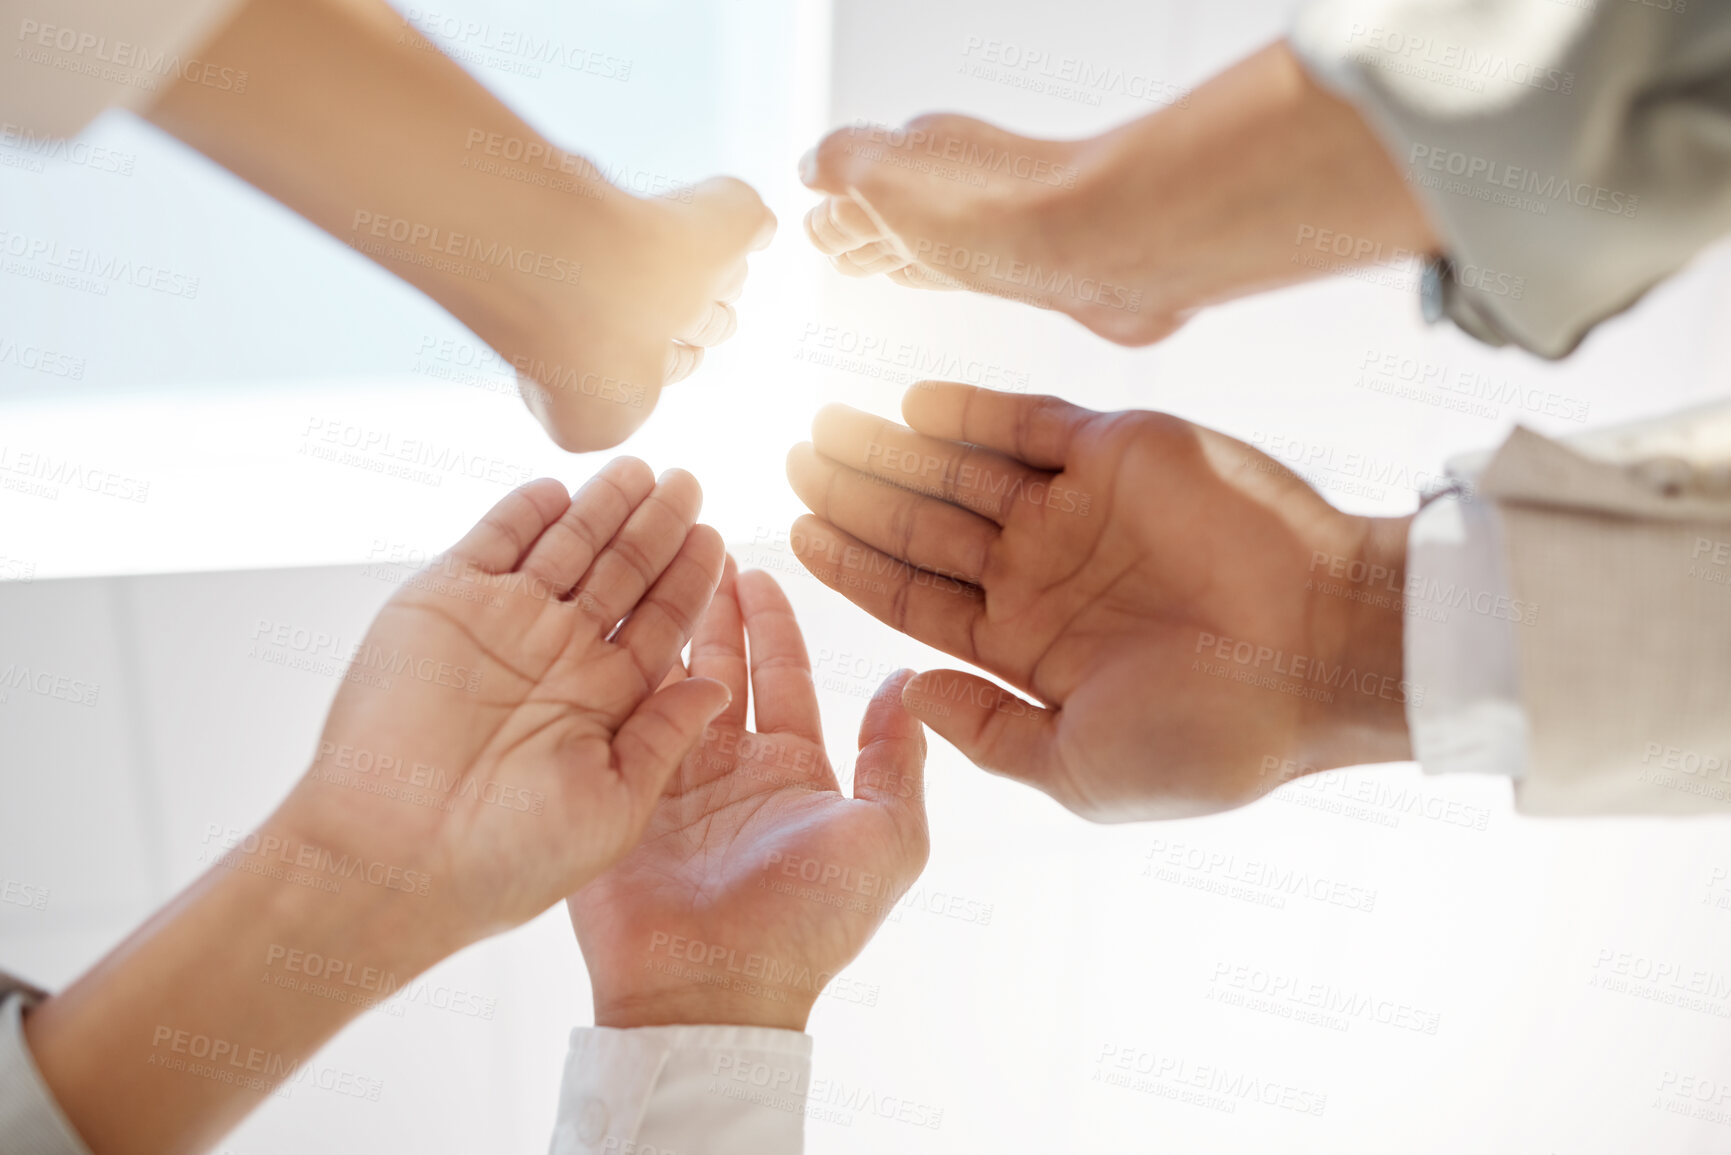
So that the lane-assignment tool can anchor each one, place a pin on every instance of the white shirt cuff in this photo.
(1460, 642)
(31, 1122)
(688, 1090)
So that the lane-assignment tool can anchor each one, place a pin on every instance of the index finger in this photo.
(499, 540)
(1033, 430)
(977, 479)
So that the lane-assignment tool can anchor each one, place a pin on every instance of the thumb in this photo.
(828, 167)
(739, 212)
(891, 768)
(994, 728)
(663, 729)
(676, 673)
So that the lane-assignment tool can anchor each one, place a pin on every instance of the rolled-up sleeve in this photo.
(69, 59)
(1571, 153)
(1590, 657)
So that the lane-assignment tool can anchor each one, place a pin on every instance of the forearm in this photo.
(1260, 178)
(356, 122)
(189, 1024)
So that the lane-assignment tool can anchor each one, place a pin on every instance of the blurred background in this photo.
(1494, 984)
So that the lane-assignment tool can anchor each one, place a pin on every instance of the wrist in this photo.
(719, 999)
(1254, 178)
(1358, 622)
(548, 235)
(347, 890)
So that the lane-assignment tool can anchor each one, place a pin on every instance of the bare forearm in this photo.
(190, 1023)
(1252, 182)
(353, 120)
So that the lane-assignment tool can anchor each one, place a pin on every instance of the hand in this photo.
(1132, 231)
(658, 285)
(594, 297)
(496, 743)
(1168, 594)
(950, 202)
(753, 850)
(495, 740)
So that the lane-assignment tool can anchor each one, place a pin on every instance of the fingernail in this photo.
(808, 168)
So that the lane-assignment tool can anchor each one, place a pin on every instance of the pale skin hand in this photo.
(1097, 562)
(1132, 231)
(550, 742)
(552, 706)
(753, 847)
(353, 120)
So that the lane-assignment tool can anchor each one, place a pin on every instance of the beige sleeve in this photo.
(1622, 542)
(1571, 154)
(67, 60)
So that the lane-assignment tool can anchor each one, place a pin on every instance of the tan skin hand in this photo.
(1152, 584)
(1129, 232)
(753, 848)
(596, 298)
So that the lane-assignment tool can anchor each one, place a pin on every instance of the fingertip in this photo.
(546, 492)
(893, 689)
(896, 681)
(630, 473)
(706, 541)
(799, 457)
(821, 169)
(682, 361)
(919, 694)
(892, 746)
(808, 534)
(726, 581)
(549, 498)
(758, 586)
(886, 715)
(753, 224)
(832, 419)
(921, 396)
(681, 483)
(805, 474)
(766, 230)
(720, 692)
(729, 192)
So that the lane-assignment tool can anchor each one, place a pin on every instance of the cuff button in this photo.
(1666, 476)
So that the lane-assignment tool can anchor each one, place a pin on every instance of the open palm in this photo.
(497, 740)
(1150, 582)
(757, 879)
